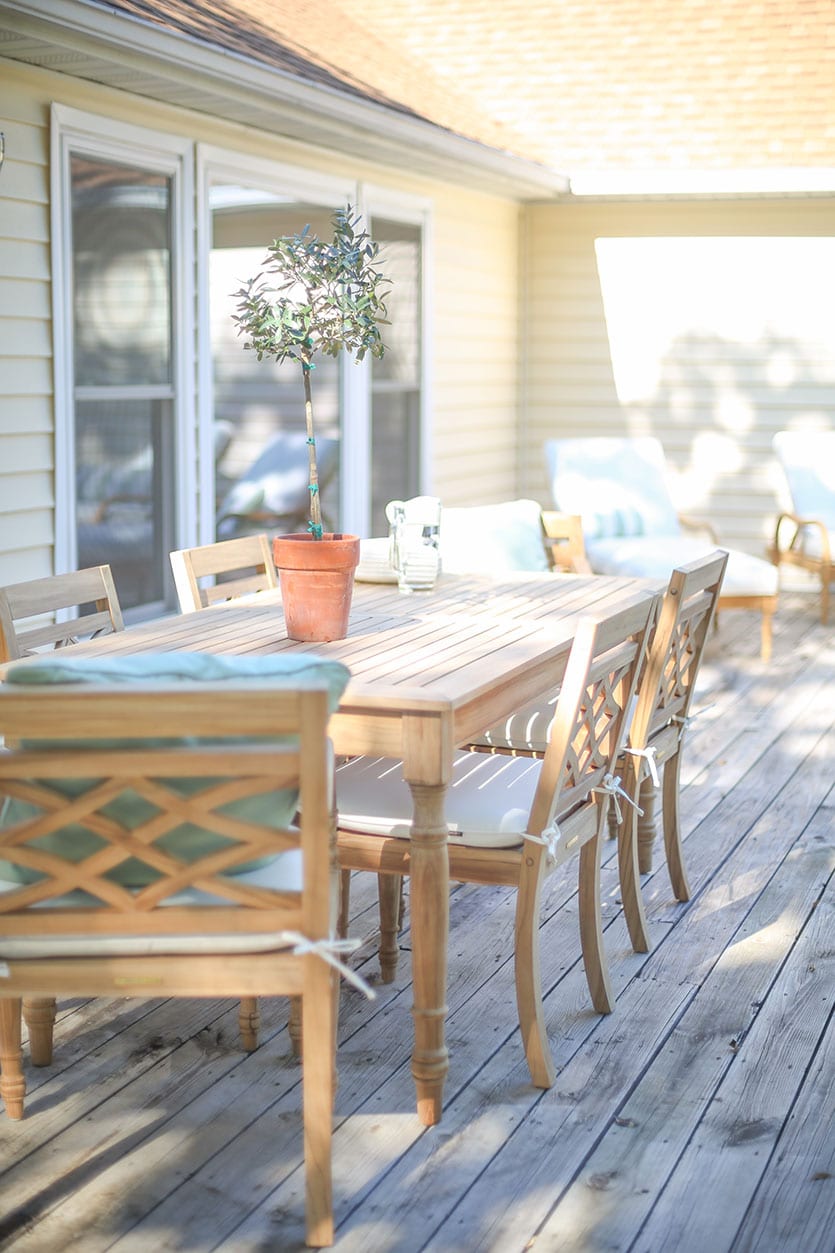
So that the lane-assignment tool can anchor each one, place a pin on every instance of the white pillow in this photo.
(490, 539)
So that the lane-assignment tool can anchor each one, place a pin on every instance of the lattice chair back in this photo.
(657, 732)
(591, 719)
(675, 652)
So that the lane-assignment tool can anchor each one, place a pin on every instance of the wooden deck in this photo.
(700, 1115)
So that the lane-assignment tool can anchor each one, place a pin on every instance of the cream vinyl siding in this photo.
(26, 444)
(708, 324)
(472, 292)
(476, 346)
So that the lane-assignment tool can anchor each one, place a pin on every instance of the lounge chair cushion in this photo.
(655, 558)
(808, 461)
(617, 486)
(188, 842)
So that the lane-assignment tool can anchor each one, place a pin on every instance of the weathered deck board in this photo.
(690, 1118)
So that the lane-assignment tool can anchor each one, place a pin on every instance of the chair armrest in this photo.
(800, 524)
(699, 524)
(563, 539)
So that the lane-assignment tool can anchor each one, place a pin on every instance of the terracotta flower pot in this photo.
(317, 582)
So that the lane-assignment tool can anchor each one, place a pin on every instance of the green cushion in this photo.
(188, 841)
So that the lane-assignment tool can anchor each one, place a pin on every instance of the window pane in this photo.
(121, 274)
(261, 473)
(123, 461)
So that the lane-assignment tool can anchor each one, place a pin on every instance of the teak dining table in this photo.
(429, 671)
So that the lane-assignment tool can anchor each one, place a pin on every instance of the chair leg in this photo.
(613, 826)
(591, 926)
(767, 634)
(344, 904)
(646, 825)
(249, 1022)
(630, 883)
(827, 575)
(294, 1026)
(401, 904)
(389, 888)
(39, 1016)
(12, 1082)
(672, 829)
(318, 1063)
(528, 977)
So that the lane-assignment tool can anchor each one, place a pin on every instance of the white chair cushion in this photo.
(617, 486)
(488, 802)
(808, 461)
(281, 874)
(491, 539)
(528, 730)
(655, 558)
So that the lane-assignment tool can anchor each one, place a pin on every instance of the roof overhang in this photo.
(88, 41)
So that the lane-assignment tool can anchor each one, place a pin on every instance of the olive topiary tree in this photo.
(313, 296)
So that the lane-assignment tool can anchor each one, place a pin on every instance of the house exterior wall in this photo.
(709, 324)
(472, 289)
(26, 426)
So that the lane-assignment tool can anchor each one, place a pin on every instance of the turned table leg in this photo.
(429, 907)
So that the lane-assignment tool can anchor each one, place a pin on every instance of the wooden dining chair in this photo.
(222, 571)
(181, 869)
(24, 606)
(512, 821)
(657, 733)
(655, 738)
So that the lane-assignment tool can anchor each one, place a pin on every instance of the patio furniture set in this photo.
(180, 795)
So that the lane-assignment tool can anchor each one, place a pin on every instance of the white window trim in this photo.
(75, 131)
(414, 211)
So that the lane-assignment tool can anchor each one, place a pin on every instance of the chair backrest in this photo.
(675, 652)
(245, 566)
(23, 606)
(808, 462)
(564, 541)
(618, 486)
(490, 539)
(592, 711)
(183, 835)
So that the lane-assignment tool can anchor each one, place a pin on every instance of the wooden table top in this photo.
(474, 647)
